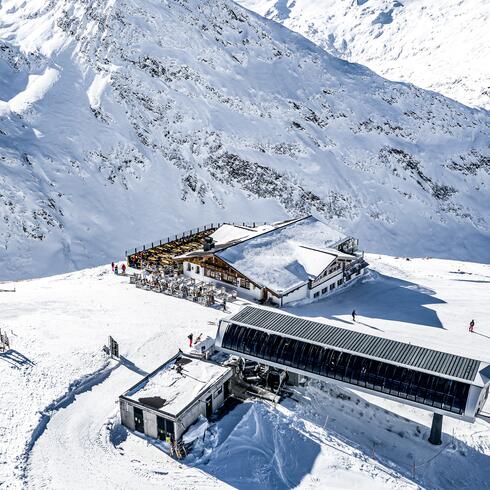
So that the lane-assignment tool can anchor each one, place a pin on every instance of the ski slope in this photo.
(59, 407)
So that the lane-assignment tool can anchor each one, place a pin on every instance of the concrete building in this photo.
(170, 399)
(301, 259)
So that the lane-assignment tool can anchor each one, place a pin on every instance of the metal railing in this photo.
(187, 234)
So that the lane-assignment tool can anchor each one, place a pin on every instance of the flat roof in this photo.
(175, 385)
(287, 256)
(411, 356)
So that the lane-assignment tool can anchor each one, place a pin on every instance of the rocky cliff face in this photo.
(122, 121)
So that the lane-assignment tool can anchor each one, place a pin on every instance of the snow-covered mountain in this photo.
(442, 46)
(124, 120)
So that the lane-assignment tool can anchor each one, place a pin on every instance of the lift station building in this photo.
(170, 399)
(443, 383)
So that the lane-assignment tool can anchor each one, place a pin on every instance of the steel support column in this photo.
(436, 429)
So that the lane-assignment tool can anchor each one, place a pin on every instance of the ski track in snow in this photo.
(86, 383)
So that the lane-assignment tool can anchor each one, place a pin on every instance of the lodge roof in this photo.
(286, 257)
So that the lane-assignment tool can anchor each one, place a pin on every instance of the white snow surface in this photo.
(59, 403)
(179, 389)
(230, 233)
(126, 121)
(196, 430)
(442, 46)
(285, 257)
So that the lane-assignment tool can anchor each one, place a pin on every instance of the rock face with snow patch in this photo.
(121, 121)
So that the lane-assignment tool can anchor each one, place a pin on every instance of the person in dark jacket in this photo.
(190, 337)
(472, 325)
(112, 267)
(353, 315)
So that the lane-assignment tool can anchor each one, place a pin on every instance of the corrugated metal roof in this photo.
(441, 363)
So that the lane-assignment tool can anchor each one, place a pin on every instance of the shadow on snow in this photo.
(255, 446)
(399, 444)
(15, 358)
(378, 296)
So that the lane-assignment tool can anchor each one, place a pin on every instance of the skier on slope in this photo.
(472, 325)
(112, 267)
(354, 315)
(190, 337)
(123, 267)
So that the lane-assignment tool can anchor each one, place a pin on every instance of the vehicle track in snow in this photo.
(77, 447)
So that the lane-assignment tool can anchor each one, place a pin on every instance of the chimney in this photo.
(208, 244)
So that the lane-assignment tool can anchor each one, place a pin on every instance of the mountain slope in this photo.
(123, 121)
(441, 46)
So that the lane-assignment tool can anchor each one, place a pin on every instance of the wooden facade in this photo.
(217, 269)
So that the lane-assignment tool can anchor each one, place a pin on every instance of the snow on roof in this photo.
(226, 235)
(229, 233)
(285, 257)
(178, 390)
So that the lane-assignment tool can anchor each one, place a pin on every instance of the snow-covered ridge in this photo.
(155, 117)
(441, 46)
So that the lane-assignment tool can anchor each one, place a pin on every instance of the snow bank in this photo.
(196, 430)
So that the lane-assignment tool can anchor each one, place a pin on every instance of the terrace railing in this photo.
(186, 234)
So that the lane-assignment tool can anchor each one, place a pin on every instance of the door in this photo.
(227, 389)
(209, 406)
(161, 429)
(139, 424)
(165, 429)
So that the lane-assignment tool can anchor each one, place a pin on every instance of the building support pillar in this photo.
(436, 429)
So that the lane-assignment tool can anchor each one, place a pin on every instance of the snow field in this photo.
(59, 406)
(435, 45)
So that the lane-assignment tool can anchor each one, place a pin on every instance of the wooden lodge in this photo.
(294, 260)
(302, 259)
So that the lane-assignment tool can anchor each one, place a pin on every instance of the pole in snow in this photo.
(436, 429)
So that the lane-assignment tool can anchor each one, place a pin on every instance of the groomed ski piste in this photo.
(60, 417)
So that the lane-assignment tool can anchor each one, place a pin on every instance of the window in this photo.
(218, 392)
(212, 274)
(324, 290)
(188, 266)
(340, 282)
(316, 294)
(244, 283)
(332, 286)
(427, 389)
(198, 269)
